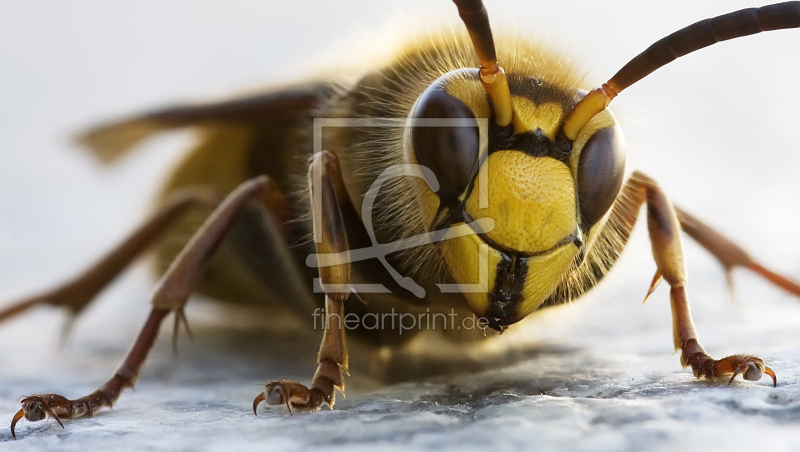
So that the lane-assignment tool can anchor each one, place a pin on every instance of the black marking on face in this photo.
(506, 295)
(535, 144)
(540, 92)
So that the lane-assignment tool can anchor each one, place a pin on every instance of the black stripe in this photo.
(506, 295)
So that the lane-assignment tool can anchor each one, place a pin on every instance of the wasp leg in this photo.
(729, 254)
(330, 237)
(170, 295)
(76, 294)
(664, 229)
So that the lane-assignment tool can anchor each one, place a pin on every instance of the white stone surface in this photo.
(717, 129)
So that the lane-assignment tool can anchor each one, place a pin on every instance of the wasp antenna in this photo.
(475, 18)
(593, 103)
(705, 33)
(694, 37)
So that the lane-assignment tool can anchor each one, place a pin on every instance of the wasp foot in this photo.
(749, 367)
(293, 395)
(38, 406)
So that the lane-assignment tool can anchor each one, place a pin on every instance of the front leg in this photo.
(331, 364)
(663, 226)
(330, 237)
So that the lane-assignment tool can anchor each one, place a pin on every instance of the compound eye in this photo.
(450, 152)
(601, 168)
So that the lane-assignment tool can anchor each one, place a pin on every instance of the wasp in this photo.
(466, 179)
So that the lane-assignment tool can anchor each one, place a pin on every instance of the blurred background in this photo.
(717, 129)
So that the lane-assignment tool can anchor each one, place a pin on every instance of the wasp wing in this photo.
(112, 140)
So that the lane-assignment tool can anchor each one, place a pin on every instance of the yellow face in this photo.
(532, 203)
(539, 237)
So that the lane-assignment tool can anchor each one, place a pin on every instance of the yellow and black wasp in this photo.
(467, 177)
